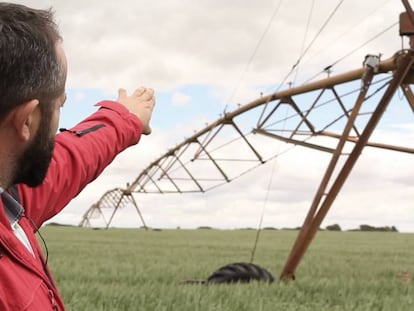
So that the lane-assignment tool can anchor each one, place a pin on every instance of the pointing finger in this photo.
(122, 93)
(139, 91)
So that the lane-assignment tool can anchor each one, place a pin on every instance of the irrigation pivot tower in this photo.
(204, 161)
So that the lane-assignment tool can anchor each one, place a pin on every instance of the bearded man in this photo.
(44, 170)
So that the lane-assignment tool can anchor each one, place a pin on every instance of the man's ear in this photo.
(25, 119)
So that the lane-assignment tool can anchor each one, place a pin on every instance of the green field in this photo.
(134, 269)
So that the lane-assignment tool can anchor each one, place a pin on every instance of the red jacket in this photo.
(79, 157)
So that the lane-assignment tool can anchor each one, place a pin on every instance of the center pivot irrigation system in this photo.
(325, 115)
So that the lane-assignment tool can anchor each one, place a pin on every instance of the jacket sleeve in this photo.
(79, 156)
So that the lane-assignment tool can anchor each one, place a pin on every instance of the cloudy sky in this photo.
(206, 56)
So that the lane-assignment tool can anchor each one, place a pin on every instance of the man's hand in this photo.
(141, 103)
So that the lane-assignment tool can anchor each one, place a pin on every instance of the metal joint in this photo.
(372, 61)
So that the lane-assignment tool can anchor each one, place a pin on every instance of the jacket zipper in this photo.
(53, 300)
(83, 132)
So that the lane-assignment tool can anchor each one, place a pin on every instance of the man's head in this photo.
(32, 86)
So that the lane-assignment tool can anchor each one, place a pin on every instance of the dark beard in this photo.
(34, 162)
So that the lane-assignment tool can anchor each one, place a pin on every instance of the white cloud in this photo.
(180, 99)
(170, 44)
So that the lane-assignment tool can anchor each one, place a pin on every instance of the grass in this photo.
(134, 269)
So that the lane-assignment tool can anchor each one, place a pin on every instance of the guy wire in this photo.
(259, 229)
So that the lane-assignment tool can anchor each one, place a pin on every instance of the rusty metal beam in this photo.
(269, 114)
(370, 144)
(165, 173)
(409, 10)
(341, 104)
(303, 118)
(115, 209)
(259, 157)
(208, 140)
(306, 115)
(409, 95)
(138, 211)
(299, 246)
(190, 175)
(315, 216)
(214, 162)
(294, 141)
(384, 67)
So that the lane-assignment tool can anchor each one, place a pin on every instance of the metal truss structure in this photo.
(337, 115)
(116, 198)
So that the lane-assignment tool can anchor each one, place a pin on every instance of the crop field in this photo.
(134, 269)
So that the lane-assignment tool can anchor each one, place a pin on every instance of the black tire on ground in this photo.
(240, 272)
